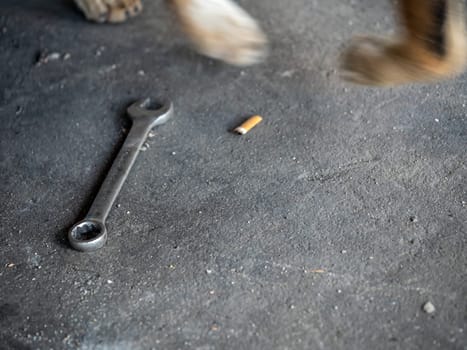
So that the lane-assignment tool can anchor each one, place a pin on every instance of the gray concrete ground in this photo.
(327, 227)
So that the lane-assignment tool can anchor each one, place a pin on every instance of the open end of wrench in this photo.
(145, 108)
(87, 235)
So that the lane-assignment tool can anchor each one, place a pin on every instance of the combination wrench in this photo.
(90, 233)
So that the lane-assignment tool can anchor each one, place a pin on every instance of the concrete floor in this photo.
(327, 227)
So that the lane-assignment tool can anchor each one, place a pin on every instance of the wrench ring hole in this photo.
(152, 105)
(87, 231)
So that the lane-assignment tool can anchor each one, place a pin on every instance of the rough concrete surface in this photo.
(330, 226)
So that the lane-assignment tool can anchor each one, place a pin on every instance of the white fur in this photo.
(230, 33)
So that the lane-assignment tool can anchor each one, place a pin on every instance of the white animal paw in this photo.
(223, 30)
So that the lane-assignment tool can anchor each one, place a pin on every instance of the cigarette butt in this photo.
(248, 125)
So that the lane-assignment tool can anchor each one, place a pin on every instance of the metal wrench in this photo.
(91, 233)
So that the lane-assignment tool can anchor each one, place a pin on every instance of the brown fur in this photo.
(431, 45)
(412, 56)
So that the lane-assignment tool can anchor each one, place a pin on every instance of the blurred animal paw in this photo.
(109, 10)
(374, 61)
(371, 61)
(222, 30)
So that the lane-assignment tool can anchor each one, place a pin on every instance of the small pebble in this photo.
(287, 73)
(343, 251)
(52, 56)
(110, 281)
(99, 51)
(428, 307)
(208, 271)
(44, 58)
(10, 265)
(66, 56)
(107, 69)
(141, 73)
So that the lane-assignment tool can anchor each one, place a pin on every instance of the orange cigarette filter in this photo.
(248, 125)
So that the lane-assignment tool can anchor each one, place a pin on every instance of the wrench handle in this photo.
(118, 172)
